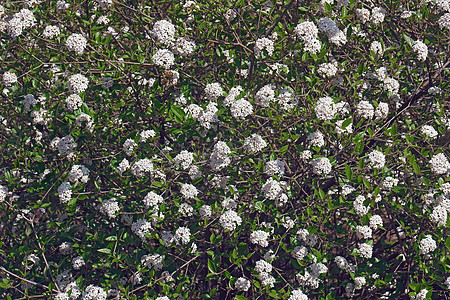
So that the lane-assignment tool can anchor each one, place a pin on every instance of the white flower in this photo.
(263, 266)
(315, 139)
(376, 159)
(128, 146)
(146, 134)
(183, 235)
(219, 156)
(439, 164)
(184, 46)
(152, 200)
(363, 232)
(65, 192)
(163, 58)
(259, 237)
(188, 191)
(184, 158)
(51, 31)
(363, 14)
(325, 109)
(230, 220)
(94, 293)
(243, 284)
(360, 282)
(241, 109)
(299, 252)
(141, 228)
(317, 269)
(365, 250)
(263, 44)
(9, 78)
(213, 91)
(376, 47)
(154, 260)
(274, 167)
(427, 245)
(359, 207)
(365, 109)
(297, 295)
(327, 69)
(382, 111)
(78, 262)
(429, 131)
(321, 166)
(375, 221)
(73, 102)
(378, 15)
(265, 95)
(164, 32)
(421, 49)
(77, 83)
(77, 43)
(78, 174)
(205, 211)
(254, 144)
(142, 166)
(439, 215)
(110, 208)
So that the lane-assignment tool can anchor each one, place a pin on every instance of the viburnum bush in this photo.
(224, 149)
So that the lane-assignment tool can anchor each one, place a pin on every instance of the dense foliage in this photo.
(209, 150)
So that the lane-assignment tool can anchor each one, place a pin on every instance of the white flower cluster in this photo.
(346, 130)
(429, 131)
(22, 20)
(83, 117)
(213, 91)
(141, 228)
(219, 156)
(434, 90)
(183, 235)
(205, 117)
(205, 211)
(3, 192)
(65, 145)
(427, 245)
(164, 32)
(309, 239)
(321, 166)
(263, 269)
(359, 207)
(444, 21)
(77, 83)
(154, 260)
(382, 111)
(297, 295)
(9, 78)
(365, 250)
(421, 49)
(128, 146)
(376, 47)
(110, 208)
(315, 139)
(188, 191)
(163, 58)
(93, 292)
(273, 190)
(152, 200)
(184, 46)
(376, 159)
(363, 15)
(29, 101)
(299, 252)
(229, 220)
(243, 284)
(265, 95)
(73, 102)
(232, 95)
(328, 69)
(308, 33)
(78, 262)
(141, 166)
(363, 232)
(184, 158)
(65, 192)
(365, 109)
(263, 44)
(186, 210)
(334, 34)
(241, 108)
(77, 43)
(104, 4)
(286, 99)
(254, 143)
(325, 109)
(146, 134)
(78, 174)
(343, 264)
(274, 167)
(389, 182)
(378, 14)
(259, 237)
(439, 215)
(439, 164)
(375, 221)
(51, 31)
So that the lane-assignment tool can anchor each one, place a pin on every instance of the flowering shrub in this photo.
(229, 150)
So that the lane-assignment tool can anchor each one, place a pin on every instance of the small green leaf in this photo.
(111, 238)
(104, 250)
(409, 40)
(212, 267)
(348, 172)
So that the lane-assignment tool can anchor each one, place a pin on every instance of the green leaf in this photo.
(212, 267)
(260, 206)
(348, 172)
(409, 40)
(111, 238)
(447, 243)
(178, 114)
(346, 123)
(239, 297)
(104, 250)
